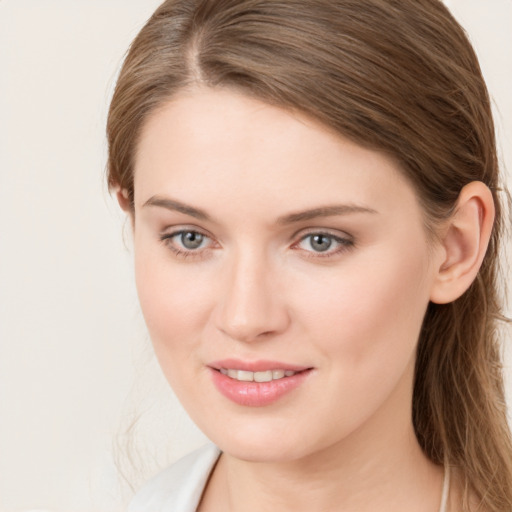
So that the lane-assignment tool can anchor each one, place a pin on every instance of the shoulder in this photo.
(179, 487)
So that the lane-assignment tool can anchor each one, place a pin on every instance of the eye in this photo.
(186, 242)
(190, 239)
(319, 243)
(324, 244)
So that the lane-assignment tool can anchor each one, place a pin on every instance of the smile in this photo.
(248, 376)
(257, 384)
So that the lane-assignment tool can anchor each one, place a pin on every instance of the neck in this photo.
(378, 467)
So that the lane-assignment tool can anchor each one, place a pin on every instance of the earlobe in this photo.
(465, 240)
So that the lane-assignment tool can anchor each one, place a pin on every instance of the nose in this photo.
(251, 307)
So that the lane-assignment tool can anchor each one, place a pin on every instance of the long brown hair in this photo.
(397, 76)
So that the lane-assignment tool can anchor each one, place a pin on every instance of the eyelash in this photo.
(344, 244)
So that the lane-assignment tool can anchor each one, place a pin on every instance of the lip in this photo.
(256, 394)
(256, 366)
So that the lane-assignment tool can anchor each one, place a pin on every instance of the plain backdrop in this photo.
(79, 388)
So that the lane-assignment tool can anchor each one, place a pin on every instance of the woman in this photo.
(315, 201)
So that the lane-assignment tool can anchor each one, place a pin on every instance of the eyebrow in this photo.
(314, 213)
(173, 205)
(324, 211)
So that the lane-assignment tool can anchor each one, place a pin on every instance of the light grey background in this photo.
(76, 368)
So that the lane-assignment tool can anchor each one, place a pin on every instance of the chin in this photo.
(261, 452)
(259, 442)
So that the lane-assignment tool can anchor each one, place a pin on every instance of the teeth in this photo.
(278, 374)
(263, 376)
(266, 376)
(244, 376)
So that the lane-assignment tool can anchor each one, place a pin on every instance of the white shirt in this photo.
(179, 487)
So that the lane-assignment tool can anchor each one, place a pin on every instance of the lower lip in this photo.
(256, 394)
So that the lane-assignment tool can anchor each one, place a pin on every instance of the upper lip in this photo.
(256, 366)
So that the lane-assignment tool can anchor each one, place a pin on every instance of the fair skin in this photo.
(260, 236)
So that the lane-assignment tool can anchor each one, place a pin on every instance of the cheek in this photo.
(174, 302)
(368, 314)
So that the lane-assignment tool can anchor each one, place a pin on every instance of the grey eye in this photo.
(191, 239)
(319, 242)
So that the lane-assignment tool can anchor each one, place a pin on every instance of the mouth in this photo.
(264, 376)
(257, 384)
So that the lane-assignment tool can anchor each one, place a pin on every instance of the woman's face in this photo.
(273, 250)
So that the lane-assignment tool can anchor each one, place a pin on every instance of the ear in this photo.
(464, 242)
(123, 199)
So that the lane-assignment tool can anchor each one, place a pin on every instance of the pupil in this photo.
(191, 240)
(320, 243)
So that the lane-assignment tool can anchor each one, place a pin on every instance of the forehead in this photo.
(222, 148)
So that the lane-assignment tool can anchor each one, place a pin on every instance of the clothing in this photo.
(178, 488)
